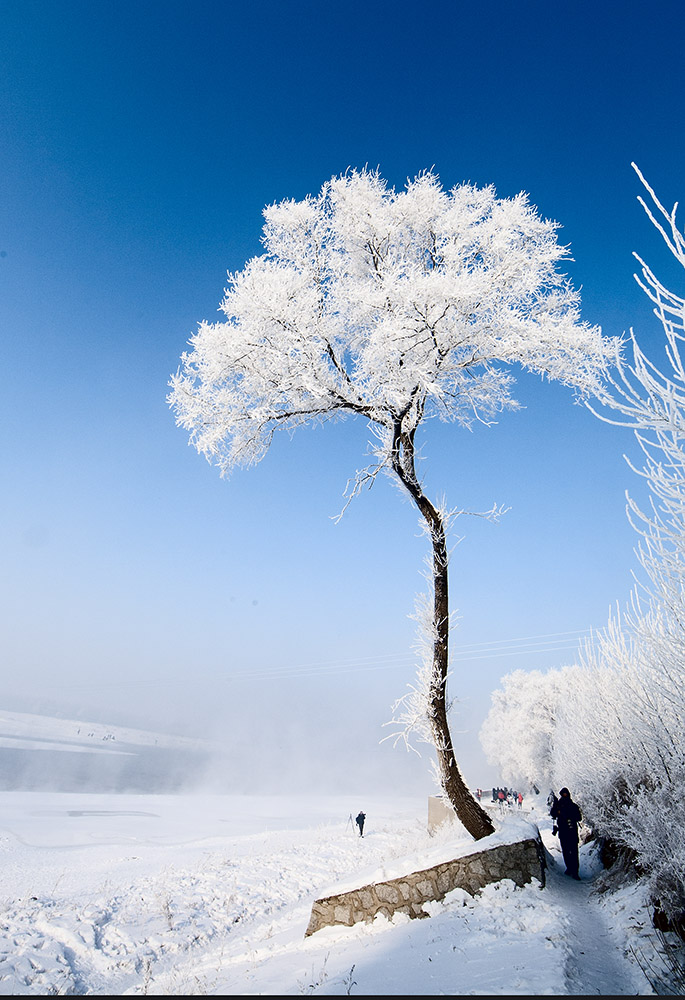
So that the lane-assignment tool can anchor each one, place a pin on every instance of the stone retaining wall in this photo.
(521, 862)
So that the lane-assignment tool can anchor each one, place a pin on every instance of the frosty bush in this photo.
(652, 822)
(616, 735)
(611, 729)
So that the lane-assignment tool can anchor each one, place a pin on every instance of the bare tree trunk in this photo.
(468, 811)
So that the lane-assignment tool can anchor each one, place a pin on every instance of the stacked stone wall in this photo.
(521, 862)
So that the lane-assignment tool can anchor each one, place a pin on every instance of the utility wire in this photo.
(461, 654)
(531, 645)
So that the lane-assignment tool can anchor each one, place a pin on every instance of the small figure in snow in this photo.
(567, 816)
(520, 800)
(360, 823)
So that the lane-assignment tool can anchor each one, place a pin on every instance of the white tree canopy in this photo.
(393, 305)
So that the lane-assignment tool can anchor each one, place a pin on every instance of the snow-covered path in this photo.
(596, 964)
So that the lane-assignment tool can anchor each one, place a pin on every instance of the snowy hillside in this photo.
(41, 732)
(38, 751)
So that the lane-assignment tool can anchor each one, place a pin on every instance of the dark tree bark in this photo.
(469, 812)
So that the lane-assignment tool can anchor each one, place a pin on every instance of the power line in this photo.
(476, 647)
(461, 654)
(547, 642)
(493, 647)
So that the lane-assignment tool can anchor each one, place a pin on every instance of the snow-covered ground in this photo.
(210, 894)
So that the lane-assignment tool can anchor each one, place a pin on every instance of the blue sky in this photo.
(140, 144)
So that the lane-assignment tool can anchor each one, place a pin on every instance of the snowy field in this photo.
(131, 894)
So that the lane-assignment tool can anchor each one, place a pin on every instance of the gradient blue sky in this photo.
(140, 144)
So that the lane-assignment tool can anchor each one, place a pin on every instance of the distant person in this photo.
(566, 815)
(360, 823)
(520, 800)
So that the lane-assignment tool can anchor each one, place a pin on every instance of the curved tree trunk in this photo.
(468, 811)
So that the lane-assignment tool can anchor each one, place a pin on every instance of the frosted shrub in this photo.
(616, 735)
(605, 729)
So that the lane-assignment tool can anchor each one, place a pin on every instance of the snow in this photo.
(41, 732)
(211, 894)
(447, 848)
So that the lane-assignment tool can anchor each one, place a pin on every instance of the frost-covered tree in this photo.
(396, 307)
(518, 735)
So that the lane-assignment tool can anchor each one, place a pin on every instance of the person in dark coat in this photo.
(566, 815)
(360, 823)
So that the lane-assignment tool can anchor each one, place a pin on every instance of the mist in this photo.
(284, 735)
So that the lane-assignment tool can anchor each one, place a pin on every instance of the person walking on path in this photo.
(566, 815)
(360, 823)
